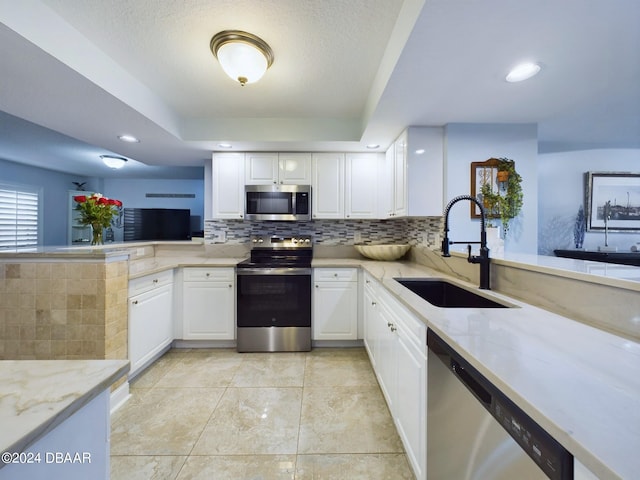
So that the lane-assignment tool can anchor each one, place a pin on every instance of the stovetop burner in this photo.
(270, 252)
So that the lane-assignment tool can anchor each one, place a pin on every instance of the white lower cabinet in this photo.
(396, 343)
(150, 318)
(208, 300)
(335, 304)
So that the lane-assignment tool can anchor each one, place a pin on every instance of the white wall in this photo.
(561, 191)
(466, 143)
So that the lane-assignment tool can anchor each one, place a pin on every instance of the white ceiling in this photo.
(77, 73)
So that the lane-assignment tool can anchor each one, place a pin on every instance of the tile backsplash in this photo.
(416, 231)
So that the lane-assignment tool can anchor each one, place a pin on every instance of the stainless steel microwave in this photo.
(277, 202)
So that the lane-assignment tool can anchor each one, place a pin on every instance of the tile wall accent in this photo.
(417, 231)
(63, 310)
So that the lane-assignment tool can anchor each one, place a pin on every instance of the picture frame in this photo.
(622, 191)
(482, 172)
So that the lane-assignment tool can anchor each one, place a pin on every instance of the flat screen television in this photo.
(157, 224)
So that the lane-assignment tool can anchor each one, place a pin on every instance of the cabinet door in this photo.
(371, 321)
(410, 402)
(208, 311)
(294, 168)
(328, 185)
(261, 168)
(387, 351)
(150, 325)
(400, 177)
(335, 311)
(361, 193)
(228, 185)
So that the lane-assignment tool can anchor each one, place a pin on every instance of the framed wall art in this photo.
(614, 198)
(483, 173)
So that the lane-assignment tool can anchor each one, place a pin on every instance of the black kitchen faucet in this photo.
(483, 259)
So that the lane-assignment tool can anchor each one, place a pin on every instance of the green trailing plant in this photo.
(506, 202)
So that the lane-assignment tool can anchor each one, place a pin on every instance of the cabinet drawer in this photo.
(198, 274)
(335, 275)
(149, 282)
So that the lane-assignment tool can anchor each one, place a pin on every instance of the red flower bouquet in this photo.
(97, 210)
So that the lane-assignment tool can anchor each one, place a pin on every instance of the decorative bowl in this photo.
(383, 252)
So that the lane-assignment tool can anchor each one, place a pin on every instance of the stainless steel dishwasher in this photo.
(475, 432)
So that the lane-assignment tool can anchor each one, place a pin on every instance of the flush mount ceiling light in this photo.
(522, 72)
(242, 56)
(113, 161)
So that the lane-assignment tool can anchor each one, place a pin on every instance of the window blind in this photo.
(18, 217)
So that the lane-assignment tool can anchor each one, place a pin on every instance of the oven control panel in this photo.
(272, 242)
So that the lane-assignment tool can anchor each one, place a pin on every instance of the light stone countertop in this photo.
(38, 395)
(579, 383)
(148, 266)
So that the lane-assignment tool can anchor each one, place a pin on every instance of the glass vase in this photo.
(96, 237)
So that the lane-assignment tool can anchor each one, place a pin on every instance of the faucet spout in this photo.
(483, 259)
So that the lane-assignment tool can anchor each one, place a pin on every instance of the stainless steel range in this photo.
(274, 295)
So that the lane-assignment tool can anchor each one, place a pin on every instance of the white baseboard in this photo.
(119, 397)
(204, 344)
(337, 343)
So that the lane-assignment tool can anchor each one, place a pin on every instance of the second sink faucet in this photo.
(482, 259)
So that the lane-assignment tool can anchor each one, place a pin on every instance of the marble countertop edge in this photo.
(45, 414)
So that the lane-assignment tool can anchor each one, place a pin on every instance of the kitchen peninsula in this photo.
(580, 383)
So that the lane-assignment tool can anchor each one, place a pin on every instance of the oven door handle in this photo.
(273, 271)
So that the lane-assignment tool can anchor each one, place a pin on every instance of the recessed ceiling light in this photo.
(128, 138)
(224, 145)
(112, 161)
(522, 72)
(373, 146)
(420, 151)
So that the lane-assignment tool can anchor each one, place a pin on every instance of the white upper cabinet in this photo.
(271, 168)
(227, 186)
(294, 168)
(412, 177)
(261, 168)
(327, 185)
(361, 181)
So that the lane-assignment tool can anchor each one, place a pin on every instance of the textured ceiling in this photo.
(346, 73)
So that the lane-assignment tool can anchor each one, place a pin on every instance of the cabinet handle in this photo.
(274, 182)
(373, 304)
(317, 285)
(135, 302)
(207, 274)
(389, 324)
(230, 286)
(393, 328)
(335, 275)
(155, 280)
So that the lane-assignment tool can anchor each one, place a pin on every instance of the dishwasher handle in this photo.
(471, 383)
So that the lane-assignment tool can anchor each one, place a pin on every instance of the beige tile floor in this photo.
(219, 414)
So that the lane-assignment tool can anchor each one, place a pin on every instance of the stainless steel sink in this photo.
(442, 293)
